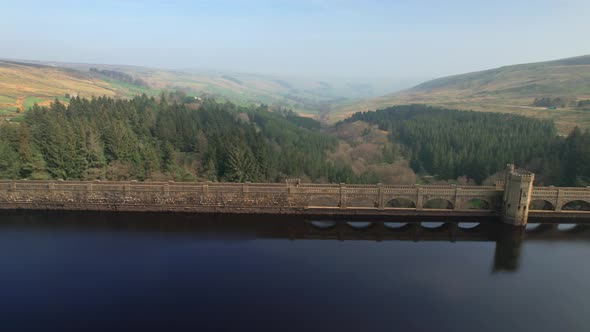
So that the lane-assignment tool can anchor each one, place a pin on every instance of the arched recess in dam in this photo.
(577, 205)
(395, 225)
(477, 204)
(566, 227)
(360, 224)
(323, 224)
(434, 226)
(531, 227)
(468, 225)
(438, 203)
(541, 205)
(401, 203)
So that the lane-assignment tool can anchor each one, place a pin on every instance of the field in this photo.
(30, 101)
(23, 85)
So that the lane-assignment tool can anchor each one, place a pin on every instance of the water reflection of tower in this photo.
(508, 248)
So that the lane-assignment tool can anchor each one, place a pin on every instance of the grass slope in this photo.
(23, 84)
(309, 97)
(509, 89)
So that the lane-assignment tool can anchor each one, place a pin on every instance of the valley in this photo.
(25, 82)
(509, 89)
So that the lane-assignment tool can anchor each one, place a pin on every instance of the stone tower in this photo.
(518, 189)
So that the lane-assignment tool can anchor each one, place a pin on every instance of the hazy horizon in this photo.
(311, 38)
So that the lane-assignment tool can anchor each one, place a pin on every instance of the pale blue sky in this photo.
(371, 38)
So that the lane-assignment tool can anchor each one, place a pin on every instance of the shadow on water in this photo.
(508, 239)
(139, 272)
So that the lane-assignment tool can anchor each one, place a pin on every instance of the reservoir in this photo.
(106, 272)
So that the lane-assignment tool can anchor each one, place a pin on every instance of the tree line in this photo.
(560, 102)
(452, 143)
(120, 76)
(146, 138)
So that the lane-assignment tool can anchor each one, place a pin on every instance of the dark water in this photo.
(127, 272)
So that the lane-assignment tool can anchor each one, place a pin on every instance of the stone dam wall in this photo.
(290, 197)
(510, 200)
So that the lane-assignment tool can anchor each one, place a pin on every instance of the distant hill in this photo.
(307, 96)
(510, 89)
(554, 78)
(23, 83)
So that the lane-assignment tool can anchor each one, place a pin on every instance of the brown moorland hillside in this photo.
(510, 89)
(23, 84)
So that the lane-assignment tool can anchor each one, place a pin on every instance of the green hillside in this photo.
(510, 89)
